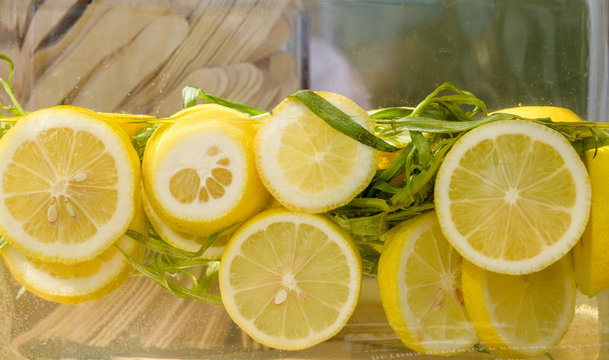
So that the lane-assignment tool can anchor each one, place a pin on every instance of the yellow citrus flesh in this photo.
(79, 282)
(199, 173)
(556, 114)
(183, 240)
(512, 196)
(68, 184)
(419, 277)
(306, 164)
(290, 280)
(591, 254)
(520, 315)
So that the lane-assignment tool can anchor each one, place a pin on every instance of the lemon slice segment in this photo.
(306, 164)
(68, 184)
(183, 240)
(592, 252)
(512, 196)
(520, 315)
(290, 280)
(419, 277)
(199, 173)
(79, 282)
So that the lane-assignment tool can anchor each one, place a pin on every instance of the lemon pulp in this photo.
(290, 280)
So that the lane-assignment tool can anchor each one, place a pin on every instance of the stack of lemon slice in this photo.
(199, 176)
(513, 198)
(70, 191)
(291, 278)
(491, 263)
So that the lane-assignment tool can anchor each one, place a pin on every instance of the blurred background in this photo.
(507, 52)
(136, 55)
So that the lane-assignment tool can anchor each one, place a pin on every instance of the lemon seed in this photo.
(70, 209)
(280, 297)
(80, 177)
(52, 213)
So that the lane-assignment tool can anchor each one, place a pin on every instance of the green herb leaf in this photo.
(16, 108)
(5, 126)
(191, 94)
(370, 257)
(374, 225)
(340, 121)
(479, 347)
(422, 146)
(140, 139)
(163, 263)
(451, 104)
(391, 113)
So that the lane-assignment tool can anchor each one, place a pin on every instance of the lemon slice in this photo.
(520, 315)
(306, 164)
(290, 280)
(419, 278)
(79, 282)
(512, 196)
(592, 252)
(182, 240)
(555, 113)
(69, 181)
(199, 173)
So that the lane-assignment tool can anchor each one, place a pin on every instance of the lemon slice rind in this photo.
(499, 333)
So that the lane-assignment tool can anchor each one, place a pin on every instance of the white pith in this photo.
(191, 153)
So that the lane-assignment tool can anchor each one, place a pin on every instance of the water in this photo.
(546, 52)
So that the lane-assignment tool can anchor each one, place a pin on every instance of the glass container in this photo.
(136, 56)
